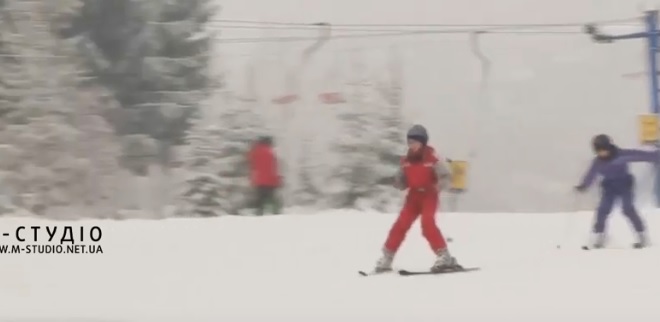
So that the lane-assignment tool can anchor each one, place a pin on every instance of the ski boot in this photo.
(599, 241)
(445, 262)
(642, 241)
(384, 264)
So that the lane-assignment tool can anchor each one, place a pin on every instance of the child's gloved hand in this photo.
(580, 188)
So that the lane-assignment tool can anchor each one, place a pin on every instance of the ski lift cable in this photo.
(389, 25)
(404, 29)
(365, 45)
(252, 40)
(365, 30)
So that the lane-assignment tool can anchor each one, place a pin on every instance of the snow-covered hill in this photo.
(304, 268)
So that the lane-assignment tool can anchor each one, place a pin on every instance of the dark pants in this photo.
(613, 189)
(267, 196)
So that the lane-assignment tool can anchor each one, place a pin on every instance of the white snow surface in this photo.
(304, 268)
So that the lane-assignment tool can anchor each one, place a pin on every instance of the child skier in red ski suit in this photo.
(424, 174)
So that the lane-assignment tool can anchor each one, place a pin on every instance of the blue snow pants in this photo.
(613, 189)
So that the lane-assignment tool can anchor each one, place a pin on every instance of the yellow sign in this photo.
(459, 171)
(649, 131)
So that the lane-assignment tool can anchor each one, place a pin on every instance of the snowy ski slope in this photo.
(304, 268)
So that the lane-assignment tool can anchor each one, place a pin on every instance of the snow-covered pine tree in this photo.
(352, 181)
(60, 152)
(391, 137)
(154, 55)
(201, 195)
(240, 127)
(177, 45)
(218, 181)
(307, 193)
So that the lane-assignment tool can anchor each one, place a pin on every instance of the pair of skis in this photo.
(586, 247)
(403, 272)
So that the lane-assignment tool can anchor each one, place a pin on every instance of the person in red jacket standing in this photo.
(264, 175)
(424, 174)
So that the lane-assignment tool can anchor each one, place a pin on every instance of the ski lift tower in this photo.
(649, 126)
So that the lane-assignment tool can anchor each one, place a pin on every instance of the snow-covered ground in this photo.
(304, 268)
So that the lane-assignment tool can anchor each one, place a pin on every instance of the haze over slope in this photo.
(547, 93)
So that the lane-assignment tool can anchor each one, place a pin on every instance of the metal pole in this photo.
(651, 20)
(652, 40)
(651, 35)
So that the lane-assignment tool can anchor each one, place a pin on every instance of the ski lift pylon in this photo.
(293, 78)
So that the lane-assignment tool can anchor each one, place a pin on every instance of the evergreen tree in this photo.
(155, 56)
(307, 193)
(351, 183)
(371, 144)
(219, 180)
(390, 139)
(60, 152)
(201, 196)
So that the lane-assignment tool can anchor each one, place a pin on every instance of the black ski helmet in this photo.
(602, 142)
(265, 139)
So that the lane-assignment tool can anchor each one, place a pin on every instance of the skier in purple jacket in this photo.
(611, 163)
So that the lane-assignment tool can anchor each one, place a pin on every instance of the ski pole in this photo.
(569, 220)
(453, 205)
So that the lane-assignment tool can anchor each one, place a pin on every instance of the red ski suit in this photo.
(263, 166)
(424, 179)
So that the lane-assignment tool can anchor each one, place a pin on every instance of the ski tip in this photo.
(372, 273)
